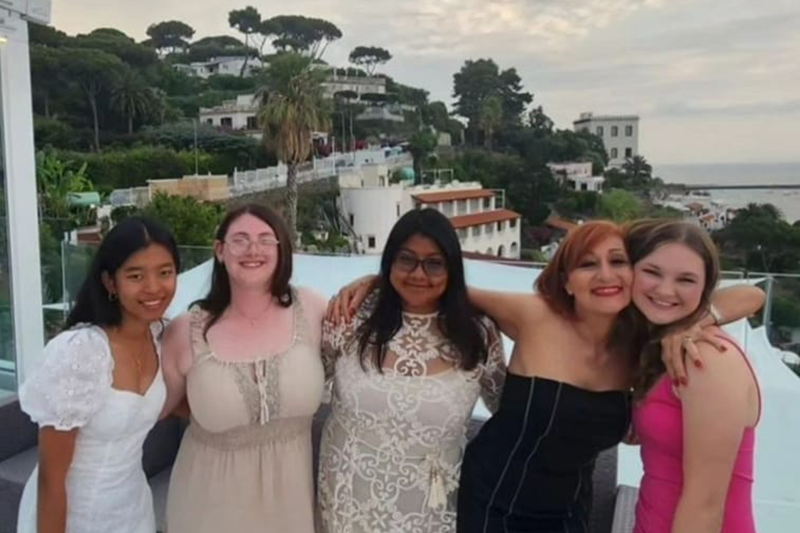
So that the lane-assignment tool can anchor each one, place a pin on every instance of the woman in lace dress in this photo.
(247, 358)
(407, 373)
(99, 391)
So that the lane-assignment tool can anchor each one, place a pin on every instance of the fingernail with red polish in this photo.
(698, 364)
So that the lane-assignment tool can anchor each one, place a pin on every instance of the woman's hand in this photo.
(343, 306)
(680, 345)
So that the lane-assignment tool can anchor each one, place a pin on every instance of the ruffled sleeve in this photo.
(493, 373)
(73, 381)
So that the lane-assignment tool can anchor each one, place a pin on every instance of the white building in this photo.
(578, 176)
(239, 114)
(358, 84)
(620, 134)
(371, 206)
(710, 214)
(226, 66)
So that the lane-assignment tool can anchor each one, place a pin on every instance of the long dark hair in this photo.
(643, 238)
(93, 303)
(219, 295)
(458, 319)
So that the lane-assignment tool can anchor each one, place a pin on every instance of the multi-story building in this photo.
(225, 66)
(620, 134)
(577, 176)
(372, 206)
(360, 85)
(239, 114)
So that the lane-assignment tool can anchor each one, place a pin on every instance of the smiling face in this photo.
(600, 283)
(145, 284)
(249, 252)
(668, 283)
(419, 274)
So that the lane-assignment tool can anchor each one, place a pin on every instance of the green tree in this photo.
(117, 43)
(169, 36)
(131, 97)
(292, 108)
(248, 22)
(301, 35)
(369, 57)
(481, 79)
(619, 206)
(490, 118)
(421, 145)
(47, 76)
(93, 71)
(193, 223)
(761, 239)
(56, 180)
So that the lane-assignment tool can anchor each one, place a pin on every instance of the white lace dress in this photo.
(106, 487)
(391, 450)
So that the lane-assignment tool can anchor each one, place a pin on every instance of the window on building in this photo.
(210, 121)
(614, 131)
(487, 203)
(462, 207)
(599, 130)
(489, 229)
(628, 152)
(584, 187)
(252, 123)
(226, 122)
(628, 131)
(476, 231)
(462, 233)
(398, 209)
(352, 220)
(614, 153)
(512, 223)
(500, 225)
(371, 242)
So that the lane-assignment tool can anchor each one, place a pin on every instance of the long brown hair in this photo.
(642, 238)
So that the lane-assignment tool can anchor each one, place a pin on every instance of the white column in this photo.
(20, 186)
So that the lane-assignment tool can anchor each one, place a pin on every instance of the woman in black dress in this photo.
(566, 395)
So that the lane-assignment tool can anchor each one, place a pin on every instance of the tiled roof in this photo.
(487, 217)
(445, 196)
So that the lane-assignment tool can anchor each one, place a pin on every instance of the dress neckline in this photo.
(578, 388)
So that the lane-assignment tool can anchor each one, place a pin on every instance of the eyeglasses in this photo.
(432, 266)
(240, 245)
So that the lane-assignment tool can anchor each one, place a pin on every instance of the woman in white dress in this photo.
(407, 373)
(99, 391)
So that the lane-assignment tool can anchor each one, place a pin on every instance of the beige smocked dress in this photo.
(245, 462)
(391, 450)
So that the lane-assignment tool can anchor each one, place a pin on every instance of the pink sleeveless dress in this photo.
(658, 424)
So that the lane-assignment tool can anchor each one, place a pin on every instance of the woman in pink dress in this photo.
(697, 440)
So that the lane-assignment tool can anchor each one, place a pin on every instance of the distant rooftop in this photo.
(588, 116)
(445, 196)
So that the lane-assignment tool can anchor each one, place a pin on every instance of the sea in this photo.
(787, 200)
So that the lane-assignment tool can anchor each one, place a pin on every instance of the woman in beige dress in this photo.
(407, 373)
(247, 358)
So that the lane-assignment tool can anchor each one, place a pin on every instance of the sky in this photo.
(712, 80)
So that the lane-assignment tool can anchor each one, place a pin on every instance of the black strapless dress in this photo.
(529, 469)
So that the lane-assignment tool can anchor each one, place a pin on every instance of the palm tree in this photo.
(637, 168)
(130, 96)
(291, 110)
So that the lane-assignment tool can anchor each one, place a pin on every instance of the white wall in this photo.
(490, 242)
(620, 142)
(375, 211)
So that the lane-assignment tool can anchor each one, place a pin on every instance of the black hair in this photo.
(93, 303)
(219, 295)
(458, 319)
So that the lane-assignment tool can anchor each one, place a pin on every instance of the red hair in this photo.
(578, 242)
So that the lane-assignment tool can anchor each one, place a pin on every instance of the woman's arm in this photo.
(728, 305)
(716, 410)
(176, 359)
(55, 456)
(511, 310)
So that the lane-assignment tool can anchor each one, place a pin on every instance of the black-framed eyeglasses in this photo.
(240, 245)
(432, 266)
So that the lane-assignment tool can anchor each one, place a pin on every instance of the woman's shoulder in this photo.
(77, 338)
